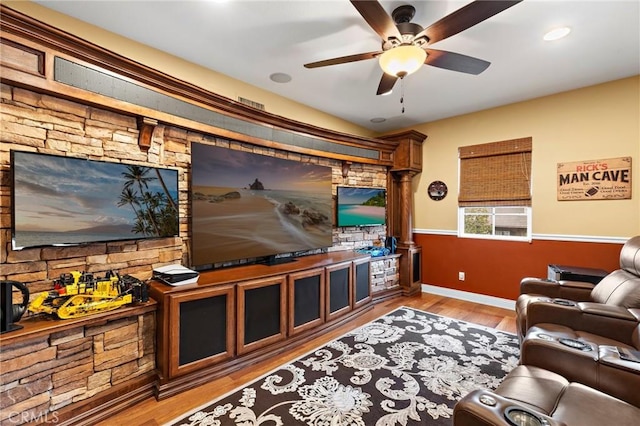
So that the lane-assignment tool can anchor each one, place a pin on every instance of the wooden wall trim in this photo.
(66, 44)
(548, 237)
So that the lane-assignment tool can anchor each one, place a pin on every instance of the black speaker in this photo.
(8, 311)
(391, 243)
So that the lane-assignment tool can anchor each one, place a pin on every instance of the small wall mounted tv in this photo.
(246, 205)
(358, 206)
(60, 201)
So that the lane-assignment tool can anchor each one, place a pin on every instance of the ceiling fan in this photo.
(405, 44)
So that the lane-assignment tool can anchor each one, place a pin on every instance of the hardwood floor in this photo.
(152, 413)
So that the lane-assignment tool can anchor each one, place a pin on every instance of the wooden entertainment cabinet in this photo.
(240, 315)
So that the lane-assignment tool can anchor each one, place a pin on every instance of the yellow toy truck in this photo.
(77, 294)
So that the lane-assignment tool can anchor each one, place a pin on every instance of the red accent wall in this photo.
(495, 268)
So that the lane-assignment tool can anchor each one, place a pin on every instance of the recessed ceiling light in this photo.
(280, 77)
(387, 93)
(378, 120)
(557, 33)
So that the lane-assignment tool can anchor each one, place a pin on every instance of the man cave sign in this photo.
(608, 179)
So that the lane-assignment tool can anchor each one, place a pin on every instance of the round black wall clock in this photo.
(437, 190)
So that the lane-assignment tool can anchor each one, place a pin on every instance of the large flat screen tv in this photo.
(58, 201)
(358, 206)
(252, 206)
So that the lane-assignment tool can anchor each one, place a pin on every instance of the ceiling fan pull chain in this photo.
(402, 94)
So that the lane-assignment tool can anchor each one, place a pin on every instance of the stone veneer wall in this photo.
(42, 123)
(42, 375)
(385, 274)
(48, 373)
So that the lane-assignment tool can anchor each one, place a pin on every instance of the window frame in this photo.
(493, 236)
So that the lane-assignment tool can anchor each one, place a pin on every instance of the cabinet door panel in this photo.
(201, 327)
(261, 313)
(415, 275)
(339, 293)
(306, 300)
(362, 282)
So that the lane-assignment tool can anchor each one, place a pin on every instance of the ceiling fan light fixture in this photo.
(402, 60)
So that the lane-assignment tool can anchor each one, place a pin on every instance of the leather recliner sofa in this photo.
(619, 289)
(572, 370)
(536, 397)
(588, 343)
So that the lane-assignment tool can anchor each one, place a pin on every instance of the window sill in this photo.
(496, 237)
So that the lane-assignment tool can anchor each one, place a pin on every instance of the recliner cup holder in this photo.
(576, 344)
(518, 416)
(572, 343)
(563, 302)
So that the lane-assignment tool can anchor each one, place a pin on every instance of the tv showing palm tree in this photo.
(59, 201)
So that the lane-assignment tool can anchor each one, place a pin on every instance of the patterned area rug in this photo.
(406, 368)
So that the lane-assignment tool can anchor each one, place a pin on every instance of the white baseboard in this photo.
(471, 297)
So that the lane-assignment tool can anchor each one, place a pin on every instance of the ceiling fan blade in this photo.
(465, 17)
(386, 83)
(455, 62)
(377, 18)
(343, 60)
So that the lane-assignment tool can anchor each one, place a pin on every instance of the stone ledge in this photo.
(41, 326)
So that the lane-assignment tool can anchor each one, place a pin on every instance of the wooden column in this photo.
(407, 163)
(405, 207)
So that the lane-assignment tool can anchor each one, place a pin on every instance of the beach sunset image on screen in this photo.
(247, 205)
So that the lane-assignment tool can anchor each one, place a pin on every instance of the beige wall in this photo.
(596, 122)
(187, 71)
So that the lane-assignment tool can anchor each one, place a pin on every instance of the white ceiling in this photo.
(250, 40)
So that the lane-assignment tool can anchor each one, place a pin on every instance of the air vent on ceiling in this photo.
(252, 104)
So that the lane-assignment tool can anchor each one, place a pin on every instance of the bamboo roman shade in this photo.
(496, 174)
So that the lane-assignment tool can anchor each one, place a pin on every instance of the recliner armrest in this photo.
(574, 290)
(615, 322)
(606, 310)
(610, 356)
(546, 311)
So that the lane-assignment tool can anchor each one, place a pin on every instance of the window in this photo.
(501, 222)
(495, 190)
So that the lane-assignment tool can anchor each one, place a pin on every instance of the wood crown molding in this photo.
(411, 134)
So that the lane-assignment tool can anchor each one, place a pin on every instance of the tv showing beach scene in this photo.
(58, 201)
(251, 206)
(361, 206)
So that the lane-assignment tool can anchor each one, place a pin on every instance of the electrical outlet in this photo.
(461, 276)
